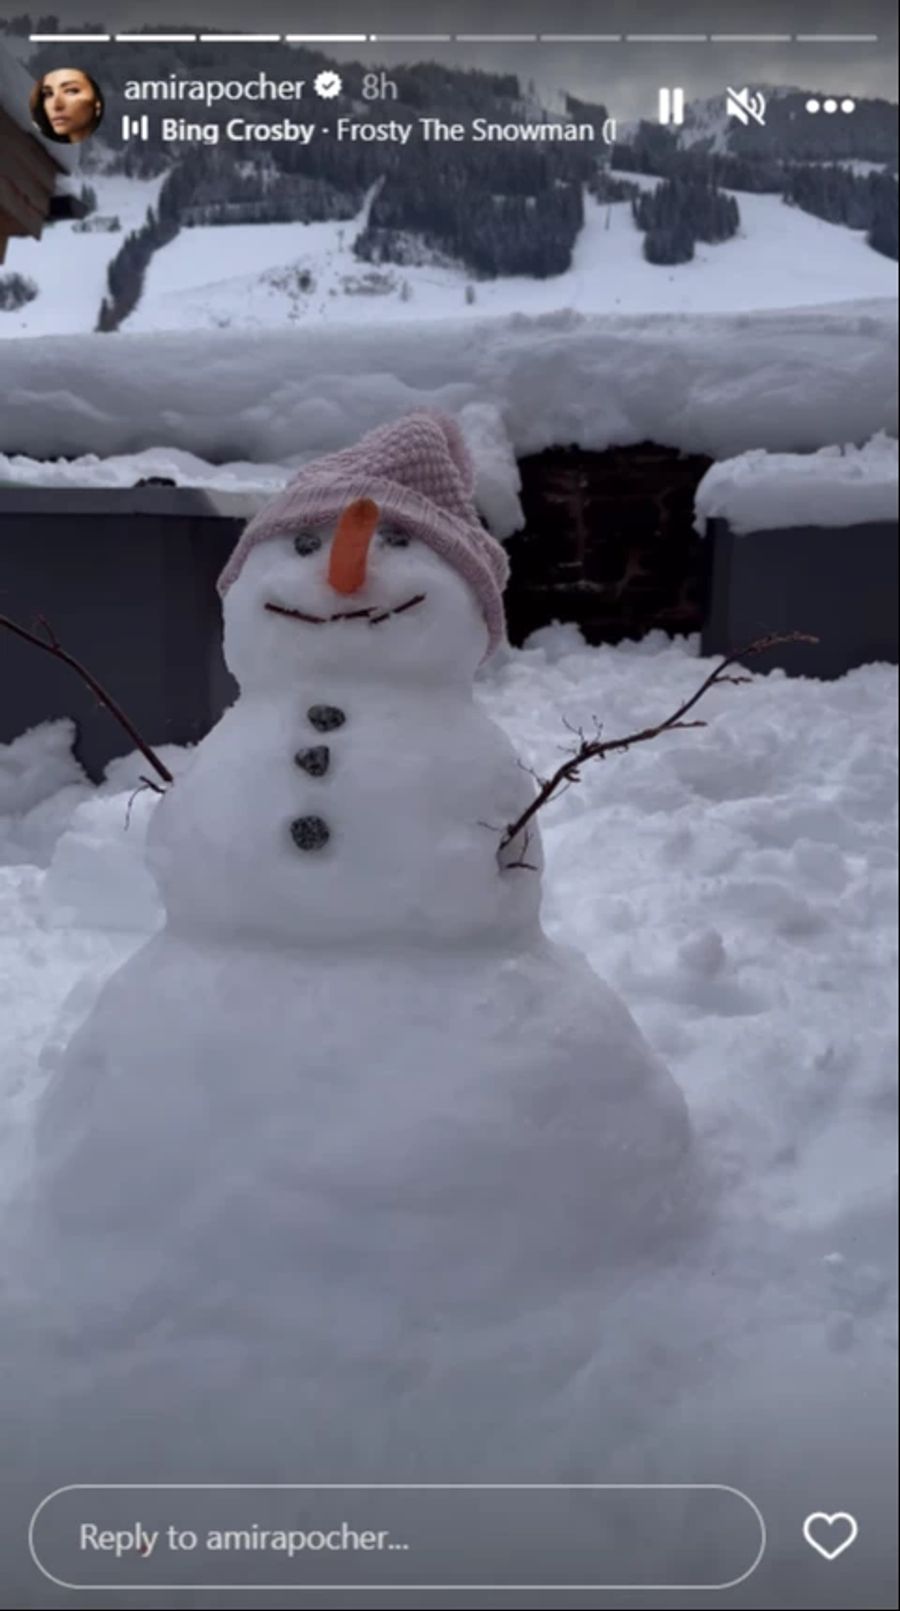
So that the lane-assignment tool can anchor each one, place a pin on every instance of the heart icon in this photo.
(830, 1534)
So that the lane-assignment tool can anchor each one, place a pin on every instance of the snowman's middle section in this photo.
(338, 813)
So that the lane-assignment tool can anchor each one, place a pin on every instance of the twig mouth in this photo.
(373, 615)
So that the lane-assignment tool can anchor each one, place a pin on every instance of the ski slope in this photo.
(781, 258)
(269, 276)
(69, 267)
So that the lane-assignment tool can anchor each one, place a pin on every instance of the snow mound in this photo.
(349, 1236)
(40, 784)
(497, 479)
(35, 766)
(718, 384)
(98, 877)
(125, 470)
(403, 1150)
(837, 486)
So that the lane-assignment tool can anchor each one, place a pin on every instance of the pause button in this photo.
(671, 106)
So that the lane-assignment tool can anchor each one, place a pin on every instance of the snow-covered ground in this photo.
(125, 469)
(69, 265)
(781, 257)
(737, 885)
(275, 275)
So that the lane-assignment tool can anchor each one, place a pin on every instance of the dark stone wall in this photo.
(609, 543)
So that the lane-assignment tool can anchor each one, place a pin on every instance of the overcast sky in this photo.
(626, 77)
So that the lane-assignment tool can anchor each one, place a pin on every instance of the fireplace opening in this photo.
(609, 543)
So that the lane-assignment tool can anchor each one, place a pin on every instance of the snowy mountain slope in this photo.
(781, 257)
(265, 276)
(69, 266)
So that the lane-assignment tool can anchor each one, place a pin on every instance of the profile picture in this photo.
(66, 105)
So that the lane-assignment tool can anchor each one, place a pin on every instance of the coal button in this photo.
(325, 718)
(315, 761)
(310, 833)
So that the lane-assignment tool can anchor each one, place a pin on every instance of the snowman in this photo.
(350, 1102)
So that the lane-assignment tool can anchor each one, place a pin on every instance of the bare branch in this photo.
(51, 644)
(535, 776)
(46, 628)
(569, 770)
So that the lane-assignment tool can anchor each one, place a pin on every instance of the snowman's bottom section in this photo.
(298, 1214)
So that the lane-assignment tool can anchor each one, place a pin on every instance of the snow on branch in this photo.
(597, 748)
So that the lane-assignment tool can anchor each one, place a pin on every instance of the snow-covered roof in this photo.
(837, 486)
(721, 385)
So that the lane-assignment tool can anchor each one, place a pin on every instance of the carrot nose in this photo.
(350, 549)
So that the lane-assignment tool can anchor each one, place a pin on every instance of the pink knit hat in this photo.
(419, 473)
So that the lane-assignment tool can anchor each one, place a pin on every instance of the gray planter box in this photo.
(838, 582)
(127, 581)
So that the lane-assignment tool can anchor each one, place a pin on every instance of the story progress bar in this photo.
(452, 39)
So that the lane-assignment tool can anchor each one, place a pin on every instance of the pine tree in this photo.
(15, 291)
(882, 234)
(669, 243)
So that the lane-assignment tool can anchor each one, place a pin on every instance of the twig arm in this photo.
(595, 749)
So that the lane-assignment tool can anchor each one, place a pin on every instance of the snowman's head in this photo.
(354, 597)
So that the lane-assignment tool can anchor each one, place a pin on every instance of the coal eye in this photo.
(308, 542)
(393, 537)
